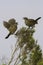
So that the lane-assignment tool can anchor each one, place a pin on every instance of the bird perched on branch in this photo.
(11, 26)
(31, 22)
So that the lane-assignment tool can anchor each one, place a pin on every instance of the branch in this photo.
(17, 59)
(12, 56)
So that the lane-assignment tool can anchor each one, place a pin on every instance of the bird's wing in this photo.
(11, 21)
(6, 24)
(31, 20)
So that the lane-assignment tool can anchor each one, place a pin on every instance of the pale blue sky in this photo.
(18, 9)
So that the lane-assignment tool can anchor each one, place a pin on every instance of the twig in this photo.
(17, 59)
(12, 56)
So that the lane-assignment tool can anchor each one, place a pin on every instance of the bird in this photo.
(31, 22)
(11, 26)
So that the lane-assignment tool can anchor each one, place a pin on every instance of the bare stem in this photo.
(12, 56)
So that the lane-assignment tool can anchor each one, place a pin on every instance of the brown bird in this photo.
(31, 22)
(11, 26)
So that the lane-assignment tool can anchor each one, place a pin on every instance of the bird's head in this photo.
(25, 18)
(12, 19)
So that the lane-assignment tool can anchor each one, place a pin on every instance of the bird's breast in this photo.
(12, 29)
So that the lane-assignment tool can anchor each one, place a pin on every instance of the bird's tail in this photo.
(7, 35)
(38, 18)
